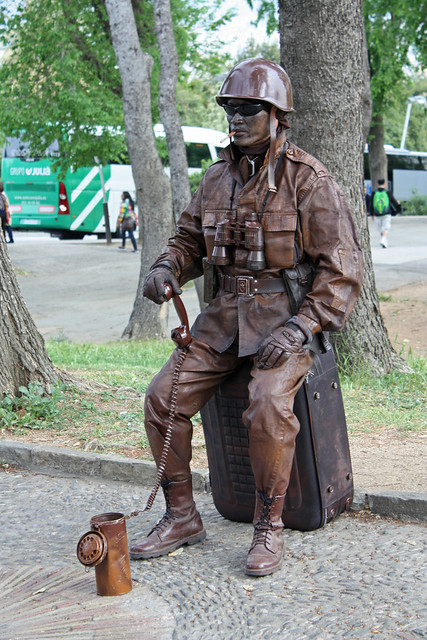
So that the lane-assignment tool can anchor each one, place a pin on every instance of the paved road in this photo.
(85, 290)
(405, 260)
(359, 578)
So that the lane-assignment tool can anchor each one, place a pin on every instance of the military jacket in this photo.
(308, 217)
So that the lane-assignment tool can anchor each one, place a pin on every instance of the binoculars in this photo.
(230, 234)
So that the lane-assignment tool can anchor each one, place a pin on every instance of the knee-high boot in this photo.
(181, 524)
(266, 553)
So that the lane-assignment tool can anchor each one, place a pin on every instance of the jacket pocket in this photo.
(279, 239)
(210, 221)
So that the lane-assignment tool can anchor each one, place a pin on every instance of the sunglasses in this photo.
(246, 109)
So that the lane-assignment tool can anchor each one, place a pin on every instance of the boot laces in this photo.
(264, 527)
(262, 535)
(163, 522)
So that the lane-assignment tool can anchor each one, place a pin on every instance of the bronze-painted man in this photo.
(263, 207)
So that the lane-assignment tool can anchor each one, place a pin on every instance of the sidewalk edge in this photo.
(408, 506)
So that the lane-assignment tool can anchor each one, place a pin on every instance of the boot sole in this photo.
(145, 555)
(263, 572)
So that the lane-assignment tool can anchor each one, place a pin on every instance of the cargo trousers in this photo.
(269, 418)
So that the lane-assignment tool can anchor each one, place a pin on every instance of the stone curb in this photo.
(408, 506)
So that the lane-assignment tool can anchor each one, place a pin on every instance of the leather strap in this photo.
(249, 285)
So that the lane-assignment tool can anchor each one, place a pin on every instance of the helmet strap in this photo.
(273, 127)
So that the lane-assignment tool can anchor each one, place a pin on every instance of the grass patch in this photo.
(108, 420)
(396, 401)
(111, 419)
(128, 363)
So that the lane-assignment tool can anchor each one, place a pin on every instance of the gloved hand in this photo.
(154, 284)
(279, 346)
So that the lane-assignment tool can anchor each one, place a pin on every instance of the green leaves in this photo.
(60, 81)
(32, 409)
(394, 28)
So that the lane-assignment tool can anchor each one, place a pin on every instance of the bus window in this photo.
(16, 148)
(196, 152)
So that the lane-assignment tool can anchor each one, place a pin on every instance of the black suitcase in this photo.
(321, 484)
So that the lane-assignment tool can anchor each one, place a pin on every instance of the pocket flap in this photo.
(280, 221)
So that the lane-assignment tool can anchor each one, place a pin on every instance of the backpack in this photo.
(2, 207)
(381, 203)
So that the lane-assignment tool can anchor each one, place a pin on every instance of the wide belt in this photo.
(249, 285)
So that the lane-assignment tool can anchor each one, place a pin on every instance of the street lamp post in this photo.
(411, 101)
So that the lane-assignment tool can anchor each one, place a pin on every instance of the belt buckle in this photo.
(243, 285)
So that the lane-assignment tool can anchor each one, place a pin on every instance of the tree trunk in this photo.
(366, 91)
(377, 155)
(23, 356)
(181, 193)
(167, 106)
(322, 50)
(152, 184)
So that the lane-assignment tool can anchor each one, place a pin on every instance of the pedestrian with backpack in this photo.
(5, 215)
(383, 206)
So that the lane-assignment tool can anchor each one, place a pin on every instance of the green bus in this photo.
(72, 207)
(68, 208)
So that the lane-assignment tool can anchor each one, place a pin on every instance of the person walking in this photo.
(127, 220)
(263, 207)
(383, 206)
(5, 216)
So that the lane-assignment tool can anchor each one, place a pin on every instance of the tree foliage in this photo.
(60, 78)
(267, 10)
(394, 29)
(395, 111)
(264, 49)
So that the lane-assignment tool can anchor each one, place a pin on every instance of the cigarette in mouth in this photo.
(230, 135)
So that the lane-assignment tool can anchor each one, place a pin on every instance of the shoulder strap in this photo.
(279, 162)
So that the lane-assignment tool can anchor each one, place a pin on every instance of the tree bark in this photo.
(168, 108)
(23, 356)
(366, 91)
(377, 155)
(168, 80)
(322, 50)
(152, 185)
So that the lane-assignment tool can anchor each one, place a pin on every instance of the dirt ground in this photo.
(388, 459)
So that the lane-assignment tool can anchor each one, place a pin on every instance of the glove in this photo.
(279, 346)
(154, 284)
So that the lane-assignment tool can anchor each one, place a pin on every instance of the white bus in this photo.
(406, 172)
(201, 144)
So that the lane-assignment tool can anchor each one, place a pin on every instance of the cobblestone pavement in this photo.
(359, 577)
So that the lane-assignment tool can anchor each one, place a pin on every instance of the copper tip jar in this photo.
(105, 547)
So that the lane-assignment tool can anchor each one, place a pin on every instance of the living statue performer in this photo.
(263, 207)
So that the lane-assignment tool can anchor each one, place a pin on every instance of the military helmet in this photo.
(258, 79)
